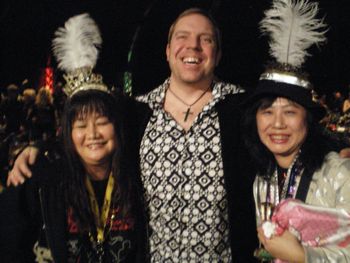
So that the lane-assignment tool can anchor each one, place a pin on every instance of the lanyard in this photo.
(100, 218)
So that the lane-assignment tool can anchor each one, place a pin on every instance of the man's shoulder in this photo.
(150, 96)
(226, 90)
(230, 87)
(231, 93)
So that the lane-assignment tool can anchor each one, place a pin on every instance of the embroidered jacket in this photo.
(45, 232)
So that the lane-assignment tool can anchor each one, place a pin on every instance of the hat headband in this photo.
(286, 78)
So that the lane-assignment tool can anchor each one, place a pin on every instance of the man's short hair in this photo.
(201, 12)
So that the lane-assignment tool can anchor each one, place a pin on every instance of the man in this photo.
(192, 165)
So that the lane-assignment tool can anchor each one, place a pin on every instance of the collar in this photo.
(155, 98)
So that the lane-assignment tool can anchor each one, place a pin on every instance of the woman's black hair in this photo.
(313, 150)
(82, 104)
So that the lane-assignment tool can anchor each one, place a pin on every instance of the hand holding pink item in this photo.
(314, 226)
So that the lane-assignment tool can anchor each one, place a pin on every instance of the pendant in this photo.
(187, 113)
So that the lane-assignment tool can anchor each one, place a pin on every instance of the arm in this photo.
(21, 169)
(338, 176)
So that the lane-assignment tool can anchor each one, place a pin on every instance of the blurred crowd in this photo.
(338, 114)
(27, 115)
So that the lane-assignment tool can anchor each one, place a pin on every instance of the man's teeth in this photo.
(191, 60)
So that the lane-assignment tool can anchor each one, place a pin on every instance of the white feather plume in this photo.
(293, 28)
(75, 44)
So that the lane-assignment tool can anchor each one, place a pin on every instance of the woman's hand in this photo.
(21, 169)
(285, 247)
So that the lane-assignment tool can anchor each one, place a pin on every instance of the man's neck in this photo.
(184, 101)
(187, 88)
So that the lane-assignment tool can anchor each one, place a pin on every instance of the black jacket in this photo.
(238, 173)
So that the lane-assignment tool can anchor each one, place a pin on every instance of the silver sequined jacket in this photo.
(330, 187)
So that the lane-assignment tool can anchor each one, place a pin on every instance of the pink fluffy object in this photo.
(313, 225)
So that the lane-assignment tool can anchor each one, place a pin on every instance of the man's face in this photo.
(192, 51)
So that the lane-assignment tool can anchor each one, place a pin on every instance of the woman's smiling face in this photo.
(282, 128)
(94, 139)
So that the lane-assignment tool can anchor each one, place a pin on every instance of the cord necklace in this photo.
(189, 106)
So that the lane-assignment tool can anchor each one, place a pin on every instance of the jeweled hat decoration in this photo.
(293, 28)
(75, 47)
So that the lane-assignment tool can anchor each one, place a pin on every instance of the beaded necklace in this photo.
(287, 185)
(270, 189)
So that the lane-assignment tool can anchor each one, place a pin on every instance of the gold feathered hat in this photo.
(75, 47)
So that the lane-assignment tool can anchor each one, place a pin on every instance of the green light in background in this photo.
(127, 83)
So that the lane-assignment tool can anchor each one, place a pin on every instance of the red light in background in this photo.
(49, 78)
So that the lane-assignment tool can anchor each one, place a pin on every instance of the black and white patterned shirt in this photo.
(182, 173)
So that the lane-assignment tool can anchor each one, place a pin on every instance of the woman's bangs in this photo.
(81, 110)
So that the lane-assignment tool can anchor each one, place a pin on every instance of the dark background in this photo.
(27, 27)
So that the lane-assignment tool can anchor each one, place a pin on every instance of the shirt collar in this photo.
(155, 98)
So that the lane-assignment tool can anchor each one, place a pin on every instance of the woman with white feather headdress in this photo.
(81, 205)
(302, 188)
